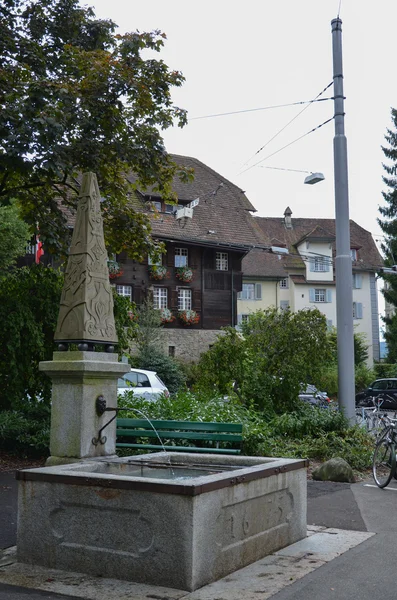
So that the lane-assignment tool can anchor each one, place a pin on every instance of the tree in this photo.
(149, 328)
(360, 347)
(389, 227)
(290, 349)
(29, 306)
(14, 236)
(75, 97)
(277, 352)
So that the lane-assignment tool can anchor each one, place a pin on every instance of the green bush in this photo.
(353, 444)
(308, 432)
(26, 432)
(383, 370)
(167, 368)
(363, 377)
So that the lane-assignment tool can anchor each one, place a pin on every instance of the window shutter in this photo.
(238, 295)
(239, 320)
(137, 295)
(311, 295)
(196, 299)
(329, 295)
(173, 299)
(329, 323)
(170, 256)
(326, 265)
(312, 265)
(258, 291)
(359, 282)
(359, 310)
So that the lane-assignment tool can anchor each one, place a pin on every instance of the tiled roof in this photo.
(223, 215)
(259, 263)
(368, 256)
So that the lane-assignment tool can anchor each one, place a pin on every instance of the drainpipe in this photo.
(232, 321)
(202, 287)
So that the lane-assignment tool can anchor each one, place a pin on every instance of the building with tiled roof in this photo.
(206, 234)
(305, 277)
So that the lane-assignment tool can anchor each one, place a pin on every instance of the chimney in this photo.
(287, 218)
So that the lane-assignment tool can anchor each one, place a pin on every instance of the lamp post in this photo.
(343, 262)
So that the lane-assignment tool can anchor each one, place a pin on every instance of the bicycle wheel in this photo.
(384, 461)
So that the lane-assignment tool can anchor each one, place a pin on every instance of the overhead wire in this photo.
(287, 145)
(289, 122)
(247, 110)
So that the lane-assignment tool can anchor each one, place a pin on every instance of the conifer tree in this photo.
(389, 226)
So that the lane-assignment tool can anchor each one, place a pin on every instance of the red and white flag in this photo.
(38, 250)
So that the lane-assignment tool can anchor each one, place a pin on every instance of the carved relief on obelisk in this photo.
(86, 310)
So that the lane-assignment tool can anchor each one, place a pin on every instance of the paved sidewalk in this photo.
(342, 557)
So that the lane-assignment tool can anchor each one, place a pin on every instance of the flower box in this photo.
(188, 317)
(114, 269)
(166, 315)
(158, 272)
(184, 274)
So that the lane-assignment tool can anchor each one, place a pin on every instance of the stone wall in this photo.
(188, 344)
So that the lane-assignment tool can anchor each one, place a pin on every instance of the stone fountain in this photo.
(170, 519)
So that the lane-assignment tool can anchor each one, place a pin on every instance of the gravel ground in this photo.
(11, 462)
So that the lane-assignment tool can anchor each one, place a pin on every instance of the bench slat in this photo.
(181, 435)
(180, 448)
(189, 425)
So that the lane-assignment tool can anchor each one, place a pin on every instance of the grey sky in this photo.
(258, 53)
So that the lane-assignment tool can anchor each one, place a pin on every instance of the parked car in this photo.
(312, 395)
(386, 387)
(146, 384)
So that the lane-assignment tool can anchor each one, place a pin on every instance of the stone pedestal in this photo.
(78, 378)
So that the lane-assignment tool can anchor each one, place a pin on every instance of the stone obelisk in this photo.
(86, 320)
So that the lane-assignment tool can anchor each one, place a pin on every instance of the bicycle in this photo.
(384, 460)
(372, 418)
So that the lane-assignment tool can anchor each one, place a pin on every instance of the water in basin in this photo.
(157, 470)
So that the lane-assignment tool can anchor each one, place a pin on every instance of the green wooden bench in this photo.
(220, 438)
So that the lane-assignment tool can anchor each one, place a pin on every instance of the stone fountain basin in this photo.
(173, 519)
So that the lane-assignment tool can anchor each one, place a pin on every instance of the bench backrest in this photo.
(187, 430)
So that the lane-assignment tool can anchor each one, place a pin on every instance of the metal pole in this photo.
(343, 261)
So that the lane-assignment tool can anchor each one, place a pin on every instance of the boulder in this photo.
(335, 469)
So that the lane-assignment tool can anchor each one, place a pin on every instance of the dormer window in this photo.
(320, 264)
(170, 209)
(353, 254)
(181, 257)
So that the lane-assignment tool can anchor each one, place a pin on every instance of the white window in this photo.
(155, 206)
(320, 264)
(124, 290)
(319, 295)
(221, 261)
(248, 292)
(151, 261)
(284, 283)
(357, 310)
(181, 257)
(357, 281)
(170, 208)
(353, 253)
(30, 248)
(160, 297)
(184, 299)
(284, 304)
(244, 318)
